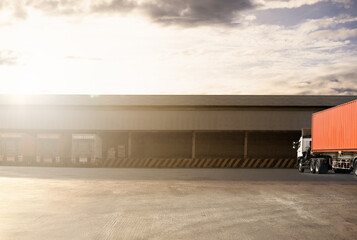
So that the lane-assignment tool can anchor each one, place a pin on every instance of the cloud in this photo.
(19, 10)
(83, 58)
(338, 34)
(271, 4)
(173, 12)
(346, 91)
(346, 3)
(311, 57)
(8, 58)
(115, 6)
(60, 7)
(343, 82)
(180, 12)
(198, 12)
(324, 23)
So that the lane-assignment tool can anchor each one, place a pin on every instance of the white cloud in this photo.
(276, 4)
(324, 23)
(8, 58)
(272, 4)
(179, 12)
(250, 17)
(139, 57)
(338, 34)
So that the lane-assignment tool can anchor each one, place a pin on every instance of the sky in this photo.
(259, 47)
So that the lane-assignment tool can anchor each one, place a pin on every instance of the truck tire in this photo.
(300, 167)
(312, 167)
(355, 168)
(317, 167)
(322, 166)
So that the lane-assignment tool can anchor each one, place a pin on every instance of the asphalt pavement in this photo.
(94, 203)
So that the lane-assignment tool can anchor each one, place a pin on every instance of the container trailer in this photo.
(86, 149)
(332, 141)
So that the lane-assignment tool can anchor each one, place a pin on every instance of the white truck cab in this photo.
(303, 146)
(304, 143)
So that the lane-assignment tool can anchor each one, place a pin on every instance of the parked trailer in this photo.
(48, 149)
(86, 149)
(332, 141)
(16, 148)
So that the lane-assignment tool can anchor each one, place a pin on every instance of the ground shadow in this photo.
(156, 174)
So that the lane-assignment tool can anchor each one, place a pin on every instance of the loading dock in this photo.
(160, 131)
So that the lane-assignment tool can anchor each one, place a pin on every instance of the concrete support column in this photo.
(193, 155)
(129, 145)
(245, 144)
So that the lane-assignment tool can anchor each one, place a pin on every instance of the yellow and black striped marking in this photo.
(200, 163)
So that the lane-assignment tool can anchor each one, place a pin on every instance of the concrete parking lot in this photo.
(87, 203)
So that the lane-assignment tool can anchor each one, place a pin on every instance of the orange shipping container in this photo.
(335, 129)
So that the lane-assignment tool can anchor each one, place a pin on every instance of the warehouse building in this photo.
(159, 130)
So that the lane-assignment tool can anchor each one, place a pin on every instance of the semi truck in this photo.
(331, 143)
(86, 149)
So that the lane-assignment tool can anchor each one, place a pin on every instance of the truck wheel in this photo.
(317, 167)
(312, 169)
(324, 166)
(355, 168)
(300, 167)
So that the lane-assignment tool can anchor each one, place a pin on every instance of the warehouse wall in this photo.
(112, 140)
(65, 146)
(219, 144)
(28, 146)
(162, 144)
(215, 144)
(94, 119)
(272, 144)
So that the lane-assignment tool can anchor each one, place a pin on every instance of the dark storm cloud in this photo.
(293, 16)
(197, 12)
(345, 90)
(175, 12)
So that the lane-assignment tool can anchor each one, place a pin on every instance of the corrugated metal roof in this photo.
(177, 100)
